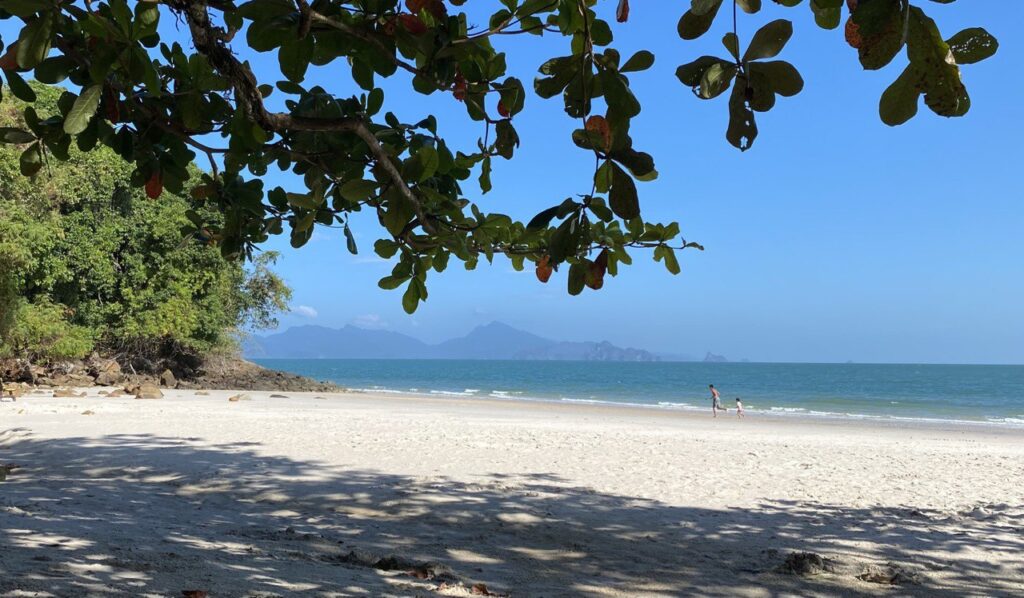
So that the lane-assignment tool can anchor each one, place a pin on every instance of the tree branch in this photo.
(210, 41)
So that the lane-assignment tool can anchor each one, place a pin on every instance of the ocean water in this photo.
(973, 393)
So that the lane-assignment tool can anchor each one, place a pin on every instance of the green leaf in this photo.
(55, 69)
(21, 90)
(876, 29)
(31, 160)
(899, 101)
(35, 40)
(617, 93)
(385, 248)
(542, 219)
(641, 164)
(640, 61)
(306, 201)
(350, 240)
(703, 7)
(356, 190)
(577, 278)
(972, 45)
(784, 78)
(716, 80)
(693, 25)
(83, 109)
(692, 73)
(147, 18)
(827, 13)
(749, 6)
(944, 91)
(390, 283)
(374, 101)
(769, 40)
(422, 164)
(732, 44)
(742, 129)
(411, 297)
(664, 253)
(294, 57)
(622, 197)
(15, 136)
(564, 241)
(485, 174)
(25, 8)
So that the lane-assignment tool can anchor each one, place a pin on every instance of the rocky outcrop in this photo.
(106, 372)
(222, 372)
(231, 373)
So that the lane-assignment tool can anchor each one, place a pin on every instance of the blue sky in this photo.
(835, 238)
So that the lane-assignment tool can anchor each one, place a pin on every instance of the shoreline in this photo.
(785, 414)
(338, 494)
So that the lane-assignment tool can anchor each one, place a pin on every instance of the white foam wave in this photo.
(451, 393)
(1015, 422)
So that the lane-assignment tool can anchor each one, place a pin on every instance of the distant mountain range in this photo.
(491, 341)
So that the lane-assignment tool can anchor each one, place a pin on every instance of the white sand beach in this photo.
(375, 495)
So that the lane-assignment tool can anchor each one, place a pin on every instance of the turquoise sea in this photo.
(972, 393)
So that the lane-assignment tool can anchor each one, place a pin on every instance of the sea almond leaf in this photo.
(155, 185)
(83, 110)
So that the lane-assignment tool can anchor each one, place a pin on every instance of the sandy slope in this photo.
(304, 495)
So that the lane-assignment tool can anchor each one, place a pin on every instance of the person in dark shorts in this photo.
(716, 400)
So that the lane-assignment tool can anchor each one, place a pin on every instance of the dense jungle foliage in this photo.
(88, 262)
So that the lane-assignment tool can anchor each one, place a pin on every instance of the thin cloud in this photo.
(370, 322)
(305, 311)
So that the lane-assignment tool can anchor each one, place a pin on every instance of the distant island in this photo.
(491, 341)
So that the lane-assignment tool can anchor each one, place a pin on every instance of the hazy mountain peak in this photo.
(494, 340)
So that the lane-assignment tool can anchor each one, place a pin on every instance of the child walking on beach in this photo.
(739, 407)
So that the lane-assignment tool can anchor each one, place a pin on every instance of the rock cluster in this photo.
(17, 376)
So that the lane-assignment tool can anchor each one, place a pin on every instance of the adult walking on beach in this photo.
(716, 402)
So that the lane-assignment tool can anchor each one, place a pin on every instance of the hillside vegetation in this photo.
(90, 264)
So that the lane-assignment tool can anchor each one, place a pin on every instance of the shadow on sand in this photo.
(145, 515)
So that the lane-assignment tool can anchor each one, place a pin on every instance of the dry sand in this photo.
(355, 494)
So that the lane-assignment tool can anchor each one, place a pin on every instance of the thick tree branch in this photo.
(209, 41)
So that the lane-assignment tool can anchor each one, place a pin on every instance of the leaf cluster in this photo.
(158, 104)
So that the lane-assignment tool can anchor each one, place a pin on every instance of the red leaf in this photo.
(598, 128)
(155, 185)
(460, 88)
(502, 110)
(413, 24)
(853, 34)
(544, 269)
(622, 11)
(595, 276)
(9, 61)
(111, 106)
(434, 7)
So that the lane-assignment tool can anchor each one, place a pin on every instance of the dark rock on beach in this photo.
(219, 372)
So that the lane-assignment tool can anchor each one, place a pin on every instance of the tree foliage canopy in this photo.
(88, 262)
(158, 104)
